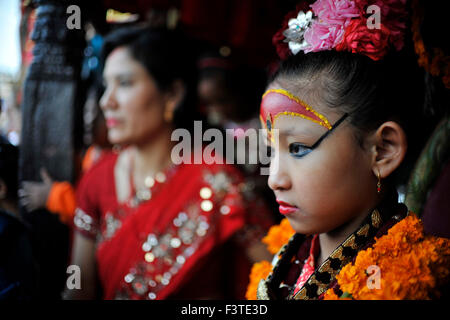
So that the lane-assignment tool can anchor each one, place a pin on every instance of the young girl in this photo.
(338, 115)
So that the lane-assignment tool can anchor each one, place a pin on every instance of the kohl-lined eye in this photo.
(298, 150)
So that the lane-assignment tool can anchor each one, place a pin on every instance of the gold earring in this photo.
(379, 182)
(168, 116)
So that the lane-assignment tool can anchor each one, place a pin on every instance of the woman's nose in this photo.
(107, 101)
(278, 178)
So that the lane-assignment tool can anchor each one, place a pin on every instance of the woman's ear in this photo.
(389, 147)
(173, 98)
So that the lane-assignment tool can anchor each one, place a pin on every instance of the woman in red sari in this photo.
(149, 229)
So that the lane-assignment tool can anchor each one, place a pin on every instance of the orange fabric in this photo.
(61, 200)
(88, 159)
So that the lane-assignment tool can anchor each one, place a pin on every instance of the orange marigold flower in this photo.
(278, 236)
(260, 270)
(411, 265)
(330, 295)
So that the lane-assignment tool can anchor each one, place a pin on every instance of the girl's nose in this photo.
(278, 178)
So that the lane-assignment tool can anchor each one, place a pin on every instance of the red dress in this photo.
(169, 246)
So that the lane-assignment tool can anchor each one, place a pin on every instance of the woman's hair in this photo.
(167, 57)
(371, 92)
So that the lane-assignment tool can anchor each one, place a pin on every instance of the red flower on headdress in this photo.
(370, 42)
(393, 16)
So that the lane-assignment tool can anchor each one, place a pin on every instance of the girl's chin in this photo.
(299, 226)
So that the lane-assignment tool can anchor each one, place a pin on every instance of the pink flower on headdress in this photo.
(328, 30)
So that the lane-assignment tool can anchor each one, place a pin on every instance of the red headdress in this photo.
(368, 27)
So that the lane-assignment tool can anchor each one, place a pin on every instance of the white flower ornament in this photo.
(297, 28)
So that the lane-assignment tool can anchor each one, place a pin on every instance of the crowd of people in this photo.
(345, 119)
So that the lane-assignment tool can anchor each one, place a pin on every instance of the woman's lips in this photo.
(112, 122)
(286, 208)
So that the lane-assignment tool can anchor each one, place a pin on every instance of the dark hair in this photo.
(371, 92)
(167, 57)
(9, 157)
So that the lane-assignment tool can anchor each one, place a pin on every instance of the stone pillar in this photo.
(51, 109)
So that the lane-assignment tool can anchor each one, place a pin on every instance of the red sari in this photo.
(157, 248)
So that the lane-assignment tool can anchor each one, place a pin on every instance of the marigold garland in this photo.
(260, 270)
(277, 237)
(412, 265)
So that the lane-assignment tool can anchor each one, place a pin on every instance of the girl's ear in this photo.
(389, 147)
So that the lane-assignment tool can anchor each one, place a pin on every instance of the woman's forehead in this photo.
(120, 62)
(118, 54)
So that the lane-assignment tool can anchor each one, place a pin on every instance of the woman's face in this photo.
(132, 103)
(327, 187)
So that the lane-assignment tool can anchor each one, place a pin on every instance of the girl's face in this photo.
(323, 189)
(132, 103)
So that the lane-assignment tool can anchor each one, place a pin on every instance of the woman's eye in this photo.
(298, 150)
(125, 83)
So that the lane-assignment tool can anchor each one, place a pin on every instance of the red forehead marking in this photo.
(276, 102)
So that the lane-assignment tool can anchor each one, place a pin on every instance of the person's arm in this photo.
(83, 256)
(86, 223)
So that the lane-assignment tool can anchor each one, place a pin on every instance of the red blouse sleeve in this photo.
(88, 213)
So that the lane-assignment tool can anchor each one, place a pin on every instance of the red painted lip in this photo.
(112, 122)
(286, 208)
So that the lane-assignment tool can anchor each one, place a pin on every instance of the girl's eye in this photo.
(298, 150)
